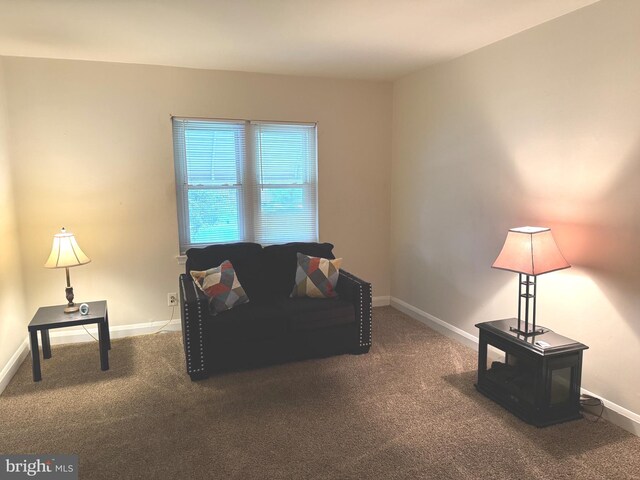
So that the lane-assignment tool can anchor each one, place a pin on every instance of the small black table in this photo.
(537, 377)
(54, 317)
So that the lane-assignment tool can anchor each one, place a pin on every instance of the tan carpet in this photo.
(406, 410)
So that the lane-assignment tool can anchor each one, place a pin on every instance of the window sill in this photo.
(182, 259)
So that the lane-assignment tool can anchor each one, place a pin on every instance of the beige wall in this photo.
(92, 150)
(542, 128)
(13, 323)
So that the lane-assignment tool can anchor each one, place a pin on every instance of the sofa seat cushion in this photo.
(248, 321)
(313, 313)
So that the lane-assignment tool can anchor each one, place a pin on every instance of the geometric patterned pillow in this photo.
(221, 286)
(316, 277)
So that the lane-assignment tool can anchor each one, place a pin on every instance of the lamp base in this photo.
(530, 333)
(71, 307)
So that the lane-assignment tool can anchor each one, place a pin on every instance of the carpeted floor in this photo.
(407, 410)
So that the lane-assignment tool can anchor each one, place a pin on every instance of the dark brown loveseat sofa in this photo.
(271, 327)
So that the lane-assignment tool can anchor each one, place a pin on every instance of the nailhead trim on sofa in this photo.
(193, 333)
(358, 291)
(363, 306)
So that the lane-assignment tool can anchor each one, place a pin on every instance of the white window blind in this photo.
(245, 181)
(285, 191)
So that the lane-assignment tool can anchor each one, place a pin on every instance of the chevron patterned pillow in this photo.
(316, 277)
(222, 287)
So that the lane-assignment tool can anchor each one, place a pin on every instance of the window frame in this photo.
(247, 178)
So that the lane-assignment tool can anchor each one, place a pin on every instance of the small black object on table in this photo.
(535, 377)
(47, 318)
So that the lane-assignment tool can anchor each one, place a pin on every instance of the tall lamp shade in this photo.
(66, 253)
(529, 252)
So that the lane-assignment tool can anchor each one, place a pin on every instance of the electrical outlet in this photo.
(172, 299)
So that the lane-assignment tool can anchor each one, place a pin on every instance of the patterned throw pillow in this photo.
(221, 286)
(316, 277)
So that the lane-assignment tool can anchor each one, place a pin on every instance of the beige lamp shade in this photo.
(531, 251)
(65, 252)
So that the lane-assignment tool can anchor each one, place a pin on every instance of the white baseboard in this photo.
(79, 335)
(61, 336)
(612, 412)
(381, 301)
(616, 414)
(435, 323)
(13, 364)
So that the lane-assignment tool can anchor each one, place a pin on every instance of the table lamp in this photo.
(65, 253)
(529, 251)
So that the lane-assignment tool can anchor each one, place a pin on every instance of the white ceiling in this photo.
(369, 39)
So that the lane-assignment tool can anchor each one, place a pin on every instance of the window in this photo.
(245, 181)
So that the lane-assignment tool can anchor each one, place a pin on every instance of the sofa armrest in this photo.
(358, 292)
(194, 307)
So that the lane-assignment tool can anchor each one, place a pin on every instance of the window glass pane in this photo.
(214, 215)
(510, 374)
(285, 215)
(282, 201)
(560, 385)
(212, 154)
(495, 357)
(286, 153)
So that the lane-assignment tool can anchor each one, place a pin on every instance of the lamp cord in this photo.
(591, 401)
(89, 333)
(173, 311)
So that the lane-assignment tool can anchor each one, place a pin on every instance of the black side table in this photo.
(537, 377)
(54, 317)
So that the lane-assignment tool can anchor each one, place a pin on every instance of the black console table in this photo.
(537, 377)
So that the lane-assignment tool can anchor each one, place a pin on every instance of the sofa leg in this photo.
(199, 376)
(361, 350)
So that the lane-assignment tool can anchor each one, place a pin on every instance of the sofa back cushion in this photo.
(265, 273)
(280, 263)
(246, 260)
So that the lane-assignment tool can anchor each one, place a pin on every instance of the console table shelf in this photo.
(537, 377)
